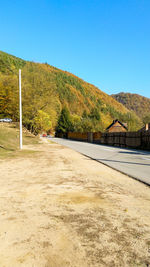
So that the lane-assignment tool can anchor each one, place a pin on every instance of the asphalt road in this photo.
(135, 163)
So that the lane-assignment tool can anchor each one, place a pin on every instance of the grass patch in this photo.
(9, 141)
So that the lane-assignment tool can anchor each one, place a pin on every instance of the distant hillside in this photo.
(48, 89)
(137, 103)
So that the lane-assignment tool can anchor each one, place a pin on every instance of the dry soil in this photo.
(60, 209)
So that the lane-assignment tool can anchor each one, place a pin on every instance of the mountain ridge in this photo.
(135, 102)
(49, 89)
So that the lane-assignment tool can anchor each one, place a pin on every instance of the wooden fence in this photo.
(87, 137)
(139, 140)
(78, 136)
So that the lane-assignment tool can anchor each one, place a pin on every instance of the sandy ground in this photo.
(60, 209)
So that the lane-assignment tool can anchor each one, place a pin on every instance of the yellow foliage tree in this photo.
(42, 122)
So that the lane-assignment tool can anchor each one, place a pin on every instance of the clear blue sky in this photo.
(105, 42)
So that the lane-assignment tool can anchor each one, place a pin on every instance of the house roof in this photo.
(114, 121)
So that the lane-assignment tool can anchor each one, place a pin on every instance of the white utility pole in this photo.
(20, 108)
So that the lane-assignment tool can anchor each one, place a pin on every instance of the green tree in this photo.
(64, 122)
(84, 114)
(94, 114)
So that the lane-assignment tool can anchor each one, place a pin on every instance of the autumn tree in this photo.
(146, 119)
(76, 123)
(42, 122)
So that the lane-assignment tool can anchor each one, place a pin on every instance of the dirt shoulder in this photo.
(60, 209)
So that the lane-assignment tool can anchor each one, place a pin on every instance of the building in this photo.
(117, 126)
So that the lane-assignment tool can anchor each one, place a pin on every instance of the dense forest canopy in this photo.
(46, 90)
(137, 103)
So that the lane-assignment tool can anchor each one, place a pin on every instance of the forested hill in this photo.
(139, 104)
(46, 90)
